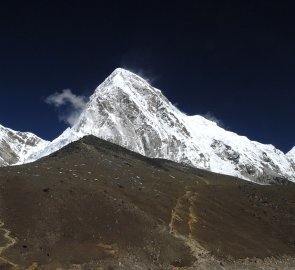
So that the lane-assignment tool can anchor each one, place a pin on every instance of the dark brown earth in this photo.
(95, 205)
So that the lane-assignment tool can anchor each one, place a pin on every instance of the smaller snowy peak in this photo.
(16, 146)
(291, 152)
(291, 157)
(229, 153)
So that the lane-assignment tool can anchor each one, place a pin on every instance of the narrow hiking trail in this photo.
(10, 241)
(183, 219)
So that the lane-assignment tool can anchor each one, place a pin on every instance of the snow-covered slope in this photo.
(128, 111)
(15, 146)
(291, 157)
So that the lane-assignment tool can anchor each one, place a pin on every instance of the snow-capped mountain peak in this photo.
(16, 146)
(127, 110)
(291, 152)
(291, 157)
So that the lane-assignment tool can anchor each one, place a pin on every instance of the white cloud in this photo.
(66, 97)
(145, 74)
(212, 118)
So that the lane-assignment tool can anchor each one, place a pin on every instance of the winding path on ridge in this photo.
(10, 241)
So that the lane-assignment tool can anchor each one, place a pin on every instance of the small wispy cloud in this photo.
(146, 75)
(67, 98)
(140, 62)
(213, 118)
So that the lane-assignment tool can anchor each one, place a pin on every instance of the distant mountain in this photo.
(126, 110)
(15, 146)
(291, 157)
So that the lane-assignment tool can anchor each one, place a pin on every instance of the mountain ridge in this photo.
(96, 205)
(16, 146)
(127, 110)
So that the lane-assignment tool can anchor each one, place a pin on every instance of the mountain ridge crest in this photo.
(125, 109)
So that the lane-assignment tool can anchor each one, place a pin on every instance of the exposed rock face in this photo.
(225, 152)
(127, 110)
(16, 146)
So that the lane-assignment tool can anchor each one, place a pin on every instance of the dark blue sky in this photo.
(233, 59)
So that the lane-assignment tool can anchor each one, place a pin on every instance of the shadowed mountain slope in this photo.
(96, 205)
